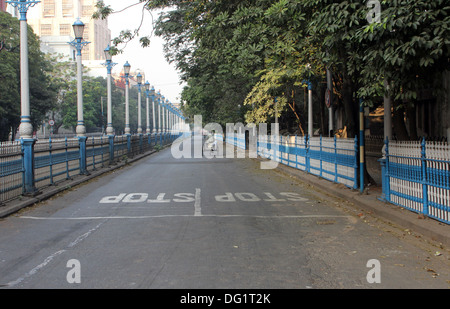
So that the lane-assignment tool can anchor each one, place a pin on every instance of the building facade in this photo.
(54, 18)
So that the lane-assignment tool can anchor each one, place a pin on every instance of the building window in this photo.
(46, 30)
(86, 10)
(49, 8)
(64, 29)
(86, 32)
(67, 8)
(85, 54)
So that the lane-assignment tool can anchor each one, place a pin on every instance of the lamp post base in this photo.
(81, 130)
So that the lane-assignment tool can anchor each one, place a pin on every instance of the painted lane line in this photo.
(187, 216)
(197, 203)
(35, 269)
(52, 256)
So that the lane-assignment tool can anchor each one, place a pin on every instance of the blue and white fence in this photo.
(330, 158)
(237, 140)
(416, 176)
(60, 159)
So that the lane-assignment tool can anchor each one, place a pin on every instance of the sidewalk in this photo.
(430, 228)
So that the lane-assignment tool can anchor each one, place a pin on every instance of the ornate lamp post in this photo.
(158, 97)
(163, 116)
(139, 131)
(147, 108)
(139, 82)
(109, 65)
(153, 96)
(126, 71)
(26, 128)
(169, 118)
(109, 127)
(78, 43)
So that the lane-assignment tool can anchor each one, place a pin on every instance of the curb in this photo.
(428, 227)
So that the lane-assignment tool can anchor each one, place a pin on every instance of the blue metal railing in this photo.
(329, 158)
(59, 160)
(416, 176)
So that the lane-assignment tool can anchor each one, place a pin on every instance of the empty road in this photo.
(166, 223)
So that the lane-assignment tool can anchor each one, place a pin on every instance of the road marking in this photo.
(159, 199)
(138, 198)
(35, 269)
(197, 203)
(52, 256)
(188, 216)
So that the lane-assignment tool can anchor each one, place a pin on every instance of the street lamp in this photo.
(163, 107)
(26, 128)
(139, 81)
(109, 127)
(78, 43)
(109, 65)
(168, 116)
(152, 94)
(126, 71)
(147, 109)
(158, 99)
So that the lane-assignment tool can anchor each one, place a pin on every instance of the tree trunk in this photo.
(323, 122)
(350, 108)
(411, 114)
(398, 120)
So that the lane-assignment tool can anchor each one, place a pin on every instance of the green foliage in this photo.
(230, 52)
(42, 94)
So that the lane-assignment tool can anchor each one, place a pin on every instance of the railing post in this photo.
(307, 142)
(296, 151)
(320, 156)
(129, 144)
(93, 153)
(335, 160)
(361, 146)
(67, 158)
(384, 177)
(111, 149)
(28, 165)
(424, 178)
(355, 166)
(50, 159)
(82, 144)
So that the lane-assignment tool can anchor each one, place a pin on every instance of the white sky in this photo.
(149, 60)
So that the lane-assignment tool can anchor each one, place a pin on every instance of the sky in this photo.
(149, 60)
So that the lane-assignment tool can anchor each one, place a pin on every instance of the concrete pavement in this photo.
(368, 202)
(235, 226)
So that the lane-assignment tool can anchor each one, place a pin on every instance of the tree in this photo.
(410, 49)
(61, 78)
(270, 48)
(93, 90)
(41, 95)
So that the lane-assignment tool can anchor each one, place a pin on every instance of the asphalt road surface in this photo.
(203, 223)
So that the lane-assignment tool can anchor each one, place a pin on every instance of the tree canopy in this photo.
(42, 95)
(238, 56)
